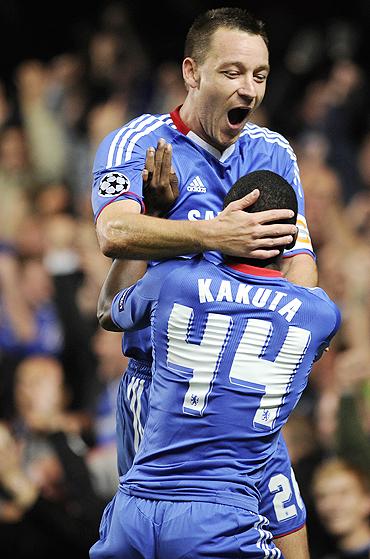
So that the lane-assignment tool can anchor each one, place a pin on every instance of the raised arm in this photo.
(124, 233)
(301, 269)
(122, 274)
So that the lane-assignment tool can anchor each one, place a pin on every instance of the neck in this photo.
(270, 263)
(187, 116)
(190, 119)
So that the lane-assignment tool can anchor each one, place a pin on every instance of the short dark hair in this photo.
(275, 193)
(204, 26)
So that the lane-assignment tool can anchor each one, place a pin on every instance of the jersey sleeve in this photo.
(131, 309)
(117, 168)
(334, 318)
(303, 243)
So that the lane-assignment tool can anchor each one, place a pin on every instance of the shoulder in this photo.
(324, 305)
(319, 293)
(252, 130)
(117, 146)
(275, 140)
(180, 274)
(171, 268)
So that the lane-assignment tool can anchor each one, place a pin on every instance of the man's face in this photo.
(231, 85)
(341, 502)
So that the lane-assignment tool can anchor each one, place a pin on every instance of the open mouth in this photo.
(238, 115)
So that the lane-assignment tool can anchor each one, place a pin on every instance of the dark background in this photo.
(38, 30)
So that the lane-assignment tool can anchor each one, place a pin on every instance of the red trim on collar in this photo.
(180, 125)
(255, 270)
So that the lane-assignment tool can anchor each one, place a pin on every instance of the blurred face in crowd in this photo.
(37, 285)
(226, 87)
(39, 386)
(341, 501)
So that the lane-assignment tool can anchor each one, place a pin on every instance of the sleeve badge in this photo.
(113, 184)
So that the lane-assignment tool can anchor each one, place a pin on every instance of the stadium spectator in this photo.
(29, 320)
(342, 498)
(49, 506)
(102, 458)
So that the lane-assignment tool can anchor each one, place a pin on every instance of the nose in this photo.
(248, 89)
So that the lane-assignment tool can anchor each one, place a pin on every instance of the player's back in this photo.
(232, 352)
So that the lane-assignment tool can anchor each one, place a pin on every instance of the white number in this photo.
(296, 489)
(249, 368)
(282, 486)
(271, 378)
(202, 359)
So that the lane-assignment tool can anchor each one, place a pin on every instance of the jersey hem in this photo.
(126, 195)
(247, 502)
(300, 251)
(290, 531)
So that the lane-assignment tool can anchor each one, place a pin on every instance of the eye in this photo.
(260, 78)
(231, 73)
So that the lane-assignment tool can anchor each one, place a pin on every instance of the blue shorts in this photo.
(281, 501)
(132, 411)
(135, 528)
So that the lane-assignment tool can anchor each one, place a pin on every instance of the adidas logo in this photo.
(196, 185)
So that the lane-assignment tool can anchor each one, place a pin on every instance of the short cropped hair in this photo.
(330, 466)
(199, 36)
(275, 193)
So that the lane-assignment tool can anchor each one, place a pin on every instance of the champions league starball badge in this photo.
(113, 184)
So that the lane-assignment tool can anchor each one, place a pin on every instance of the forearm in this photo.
(301, 270)
(142, 237)
(122, 274)
(124, 233)
(295, 545)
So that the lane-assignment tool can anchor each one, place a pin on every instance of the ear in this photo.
(190, 72)
(291, 245)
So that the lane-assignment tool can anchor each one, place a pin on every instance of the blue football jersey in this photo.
(232, 350)
(205, 176)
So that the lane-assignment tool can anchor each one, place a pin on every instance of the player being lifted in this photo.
(233, 345)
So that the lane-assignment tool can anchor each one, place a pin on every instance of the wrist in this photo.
(207, 235)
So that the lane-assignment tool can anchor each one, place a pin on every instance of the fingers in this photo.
(245, 202)
(277, 230)
(158, 164)
(271, 242)
(261, 217)
(274, 215)
(147, 172)
(162, 163)
(262, 254)
(166, 164)
(149, 160)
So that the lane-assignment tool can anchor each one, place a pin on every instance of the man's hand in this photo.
(160, 183)
(249, 235)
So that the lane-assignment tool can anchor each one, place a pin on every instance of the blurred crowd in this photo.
(60, 370)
